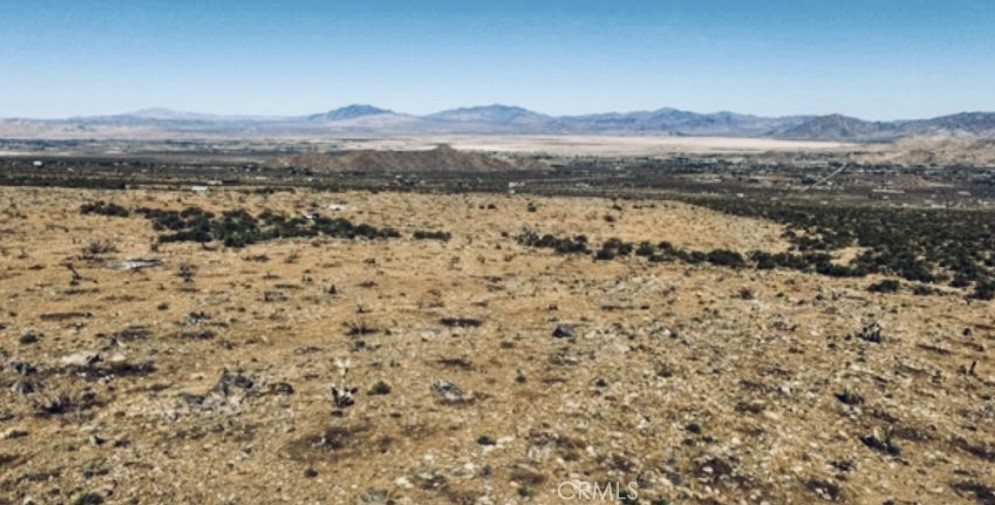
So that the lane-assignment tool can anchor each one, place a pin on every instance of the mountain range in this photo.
(502, 119)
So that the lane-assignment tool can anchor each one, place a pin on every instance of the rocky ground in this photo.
(473, 371)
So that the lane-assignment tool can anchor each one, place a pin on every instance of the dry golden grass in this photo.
(702, 384)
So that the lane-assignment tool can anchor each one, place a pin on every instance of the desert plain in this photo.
(452, 360)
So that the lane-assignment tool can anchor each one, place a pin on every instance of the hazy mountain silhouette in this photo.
(505, 119)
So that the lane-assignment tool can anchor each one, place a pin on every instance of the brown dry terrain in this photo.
(441, 158)
(207, 379)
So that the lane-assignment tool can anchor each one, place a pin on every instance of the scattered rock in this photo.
(22, 367)
(883, 446)
(343, 397)
(195, 318)
(13, 433)
(281, 388)
(872, 332)
(29, 337)
(228, 382)
(563, 331)
(81, 359)
(23, 387)
(447, 392)
(134, 263)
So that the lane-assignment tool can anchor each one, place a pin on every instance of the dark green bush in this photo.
(620, 247)
(984, 291)
(885, 286)
(645, 249)
(605, 254)
(238, 228)
(726, 258)
(104, 209)
(432, 235)
(575, 245)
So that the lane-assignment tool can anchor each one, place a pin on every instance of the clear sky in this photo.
(876, 59)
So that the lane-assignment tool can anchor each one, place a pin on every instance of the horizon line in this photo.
(387, 110)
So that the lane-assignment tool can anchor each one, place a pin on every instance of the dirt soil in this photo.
(208, 378)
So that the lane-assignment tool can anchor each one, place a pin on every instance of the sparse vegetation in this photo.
(575, 245)
(98, 248)
(442, 236)
(104, 209)
(927, 246)
(372, 352)
(380, 388)
(239, 228)
(885, 286)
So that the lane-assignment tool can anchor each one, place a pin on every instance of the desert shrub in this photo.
(660, 258)
(726, 258)
(984, 290)
(918, 245)
(239, 228)
(605, 254)
(762, 260)
(444, 236)
(791, 261)
(645, 249)
(692, 257)
(621, 247)
(104, 209)
(885, 286)
(380, 388)
(575, 245)
(833, 270)
(98, 248)
(960, 281)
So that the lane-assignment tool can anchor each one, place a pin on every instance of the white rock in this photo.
(82, 358)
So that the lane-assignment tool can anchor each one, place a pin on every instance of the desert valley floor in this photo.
(473, 370)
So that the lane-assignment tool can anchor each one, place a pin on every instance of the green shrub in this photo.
(380, 388)
(984, 291)
(238, 228)
(575, 245)
(605, 254)
(104, 209)
(621, 247)
(726, 258)
(885, 286)
(645, 249)
(432, 235)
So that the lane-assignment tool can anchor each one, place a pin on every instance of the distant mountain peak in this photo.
(164, 113)
(350, 112)
(836, 127)
(509, 119)
(494, 113)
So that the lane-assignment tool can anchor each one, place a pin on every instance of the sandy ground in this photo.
(699, 384)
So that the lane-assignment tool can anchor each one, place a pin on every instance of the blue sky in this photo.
(876, 59)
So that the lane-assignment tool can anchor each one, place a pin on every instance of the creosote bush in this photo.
(102, 208)
(443, 236)
(239, 228)
(575, 245)
(920, 245)
(885, 286)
